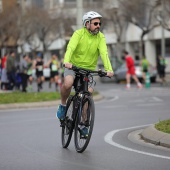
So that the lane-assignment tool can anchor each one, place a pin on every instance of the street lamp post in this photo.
(162, 33)
(162, 42)
(79, 13)
(160, 19)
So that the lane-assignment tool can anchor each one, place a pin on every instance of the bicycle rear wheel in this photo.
(80, 141)
(67, 124)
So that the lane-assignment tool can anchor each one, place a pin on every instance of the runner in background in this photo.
(161, 66)
(130, 71)
(39, 66)
(144, 63)
(54, 66)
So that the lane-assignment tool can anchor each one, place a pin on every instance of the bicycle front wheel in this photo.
(85, 118)
(67, 124)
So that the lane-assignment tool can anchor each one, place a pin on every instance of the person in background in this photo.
(144, 63)
(137, 59)
(0, 69)
(130, 71)
(23, 72)
(11, 70)
(54, 66)
(39, 66)
(161, 66)
(61, 71)
(4, 78)
(29, 73)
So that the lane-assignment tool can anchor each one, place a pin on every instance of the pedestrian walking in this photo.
(11, 70)
(4, 78)
(29, 73)
(0, 69)
(23, 72)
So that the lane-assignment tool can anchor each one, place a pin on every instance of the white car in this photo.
(120, 72)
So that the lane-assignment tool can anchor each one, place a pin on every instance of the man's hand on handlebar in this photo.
(68, 65)
(110, 74)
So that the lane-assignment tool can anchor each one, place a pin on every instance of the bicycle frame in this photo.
(80, 93)
(82, 78)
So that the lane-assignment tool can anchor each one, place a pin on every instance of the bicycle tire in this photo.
(67, 124)
(80, 142)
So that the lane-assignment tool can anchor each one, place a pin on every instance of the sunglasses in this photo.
(96, 23)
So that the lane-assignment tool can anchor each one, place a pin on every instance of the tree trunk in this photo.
(141, 46)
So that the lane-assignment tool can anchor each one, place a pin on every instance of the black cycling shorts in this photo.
(53, 74)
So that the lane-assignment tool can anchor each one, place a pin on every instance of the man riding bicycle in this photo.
(83, 51)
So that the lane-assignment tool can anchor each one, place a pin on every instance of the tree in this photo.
(9, 27)
(40, 28)
(142, 14)
(163, 15)
(119, 24)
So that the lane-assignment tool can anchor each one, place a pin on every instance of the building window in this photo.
(70, 0)
(55, 2)
(0, 6)
(38, 3)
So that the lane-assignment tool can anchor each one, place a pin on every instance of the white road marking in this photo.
(116, 106)
(106, 100)
(150, 104)
(115, 98)
(157, 99)
(109, 136)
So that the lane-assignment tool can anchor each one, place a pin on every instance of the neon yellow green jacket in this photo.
(84, 49)
(145, 63)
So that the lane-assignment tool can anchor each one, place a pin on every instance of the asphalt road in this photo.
(30, 138)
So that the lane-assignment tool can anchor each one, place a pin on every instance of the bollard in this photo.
(147, 82)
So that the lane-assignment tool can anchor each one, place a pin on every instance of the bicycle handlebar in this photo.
(82, 70)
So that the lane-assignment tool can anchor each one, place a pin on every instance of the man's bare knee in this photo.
(68, 82)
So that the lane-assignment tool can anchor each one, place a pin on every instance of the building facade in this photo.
(131, 36)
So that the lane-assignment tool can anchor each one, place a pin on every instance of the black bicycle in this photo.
(80, 110)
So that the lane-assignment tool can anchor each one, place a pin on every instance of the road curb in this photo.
(38, 104)
(152, 135)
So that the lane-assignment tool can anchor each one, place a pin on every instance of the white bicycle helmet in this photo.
(89, 16)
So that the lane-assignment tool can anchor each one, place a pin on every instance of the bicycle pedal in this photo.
(81, 123)
(86, 123)
(83, 137)
(62, 123)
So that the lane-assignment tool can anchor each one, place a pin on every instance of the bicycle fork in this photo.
(83, 111)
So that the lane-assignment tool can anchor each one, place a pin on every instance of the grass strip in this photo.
(18, 97)
(163, 126)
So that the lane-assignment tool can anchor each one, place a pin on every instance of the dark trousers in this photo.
(12, 80)
(24, 78)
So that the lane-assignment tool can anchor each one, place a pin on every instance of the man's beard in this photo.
(95, 31)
